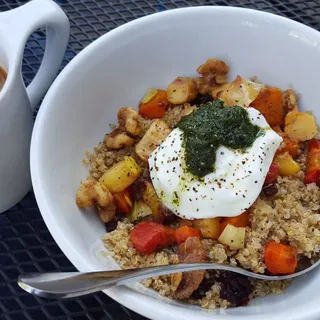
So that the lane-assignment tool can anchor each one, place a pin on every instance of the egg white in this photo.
(229, 190)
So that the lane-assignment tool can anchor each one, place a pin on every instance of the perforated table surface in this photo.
(25, 242)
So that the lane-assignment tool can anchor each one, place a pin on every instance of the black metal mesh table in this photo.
(25, 242)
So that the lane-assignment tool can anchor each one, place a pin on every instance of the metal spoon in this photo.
(61, 285)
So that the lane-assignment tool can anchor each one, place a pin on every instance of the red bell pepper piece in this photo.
(313, 162)
(150, 236)
(272, 174)
(313, 176)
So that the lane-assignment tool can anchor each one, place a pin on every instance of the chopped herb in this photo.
(211, 126)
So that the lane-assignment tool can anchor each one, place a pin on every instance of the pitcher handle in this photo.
(17, 25)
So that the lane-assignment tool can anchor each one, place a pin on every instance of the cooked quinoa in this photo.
(121, 249)
(290, 216)
(103, 157)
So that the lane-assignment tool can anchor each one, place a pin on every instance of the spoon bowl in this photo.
(60, 285)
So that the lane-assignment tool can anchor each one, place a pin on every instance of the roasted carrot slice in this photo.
(280, 258)
(153, 104)
(123, 201)
(288, 144)
(183, 233)
(238, 221)
(269, 102)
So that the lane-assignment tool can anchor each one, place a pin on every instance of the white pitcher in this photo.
(18, 102)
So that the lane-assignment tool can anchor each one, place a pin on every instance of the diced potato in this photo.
(182, 90)
(139, 211)
(154, 136)
(300, 125)
(239, 92)
(121, 175)
(287, 166)
(233, 237)
(209, 228)
(270, 103)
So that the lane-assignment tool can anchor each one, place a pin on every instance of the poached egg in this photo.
(229, 190)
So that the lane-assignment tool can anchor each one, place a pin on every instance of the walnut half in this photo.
(118, 139)
(129, 121)
(214, 72)
(190, 251)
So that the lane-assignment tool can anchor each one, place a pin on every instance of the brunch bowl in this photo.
(280, 57)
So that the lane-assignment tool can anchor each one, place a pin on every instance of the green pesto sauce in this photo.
(212, 126)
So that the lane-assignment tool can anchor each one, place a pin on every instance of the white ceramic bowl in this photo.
(115, 71)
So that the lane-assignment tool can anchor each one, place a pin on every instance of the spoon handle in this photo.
(61, 285)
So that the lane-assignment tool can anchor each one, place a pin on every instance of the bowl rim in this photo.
(137, 301)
